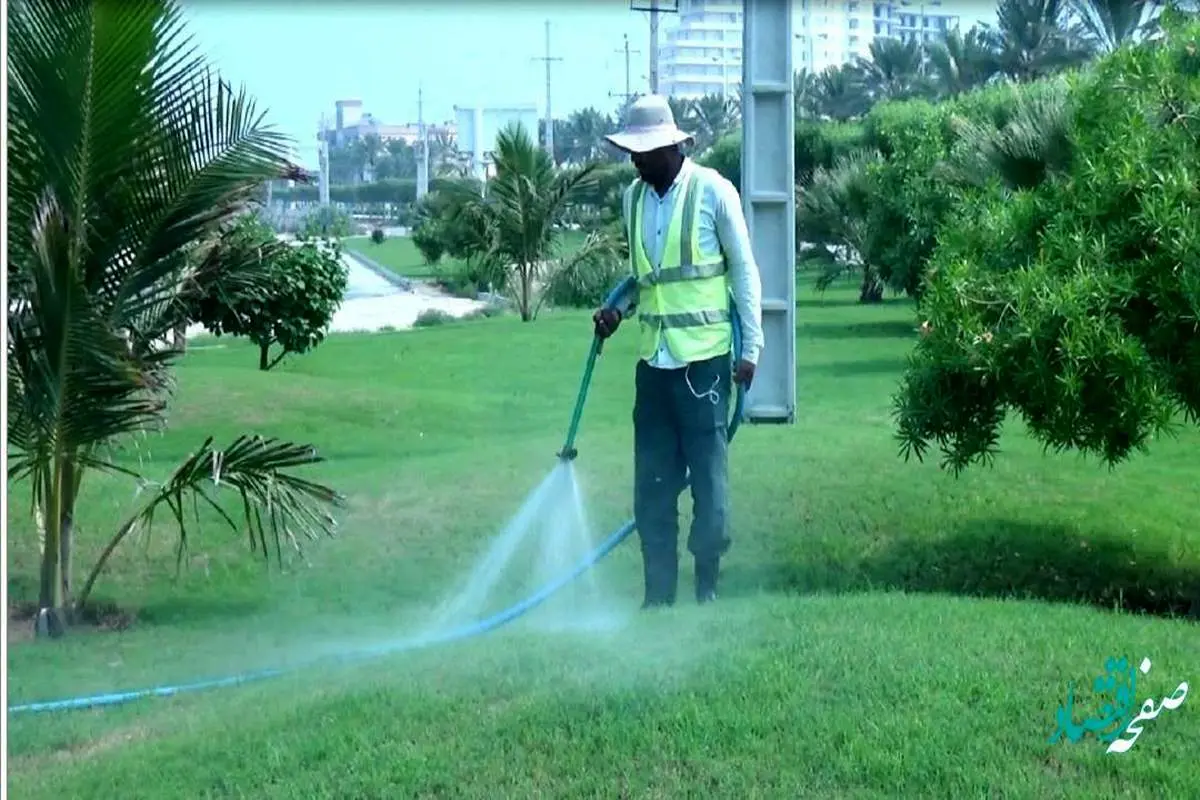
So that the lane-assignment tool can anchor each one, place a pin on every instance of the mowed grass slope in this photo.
(815, 674)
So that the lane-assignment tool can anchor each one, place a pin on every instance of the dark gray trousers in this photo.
(679, 437)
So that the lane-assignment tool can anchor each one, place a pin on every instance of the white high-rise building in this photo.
(833, 32)
(702, 51)
(926, 21)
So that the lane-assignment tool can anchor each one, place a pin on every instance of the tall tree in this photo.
(1034, 38)
(712, 117)
(1107, 24)
(893, 70)
(962, 62)
(128, 159)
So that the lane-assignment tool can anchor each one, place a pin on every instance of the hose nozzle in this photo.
(567, 454)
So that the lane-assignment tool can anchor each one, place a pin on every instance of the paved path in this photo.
(372, 303)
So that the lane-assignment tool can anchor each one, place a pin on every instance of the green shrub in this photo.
(823, 144)
(431, 317)
(725, 156)
(308, 282)
(327, 222)
(1075, 301)
(428, 241)
(584, 284)
(816, 144)
(908, 201)
(377, 236)
(605, 192)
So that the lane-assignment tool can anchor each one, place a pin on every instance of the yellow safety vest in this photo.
(688, 299)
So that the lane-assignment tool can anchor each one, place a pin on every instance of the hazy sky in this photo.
(298, 57)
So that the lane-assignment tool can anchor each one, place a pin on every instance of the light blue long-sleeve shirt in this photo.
(723, 229)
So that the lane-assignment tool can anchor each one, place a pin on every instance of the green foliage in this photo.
(817, 144)
(129, 158)
(327, 222)
(823, 144)
(606, 190)
(305, 286)
(833, 214)
(427, 238)
(584, 283)
(1074, 301)
(377, 236)
(431, 317)
(908, 201)
(725, 156)
(511, 239)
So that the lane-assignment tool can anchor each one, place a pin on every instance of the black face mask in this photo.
(658, 166)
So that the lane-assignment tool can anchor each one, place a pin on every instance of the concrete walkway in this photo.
(372, 303)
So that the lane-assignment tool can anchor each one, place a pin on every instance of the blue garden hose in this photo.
(467, 631)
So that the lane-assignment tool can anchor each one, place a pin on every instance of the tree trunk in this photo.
(50, 621)
(871, 290)
(71, 476)
(181, 338)
(264, 363)
(526, 291)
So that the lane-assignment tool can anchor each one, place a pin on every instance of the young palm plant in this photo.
(523, 210)
(128, 161)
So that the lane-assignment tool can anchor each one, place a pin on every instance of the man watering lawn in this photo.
(690, 253)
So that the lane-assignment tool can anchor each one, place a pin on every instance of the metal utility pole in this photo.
(323, 162)
(654, 48)
(628, 74)
(549, 116)
(422, 146)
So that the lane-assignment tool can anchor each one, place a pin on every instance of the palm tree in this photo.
(522, 213)
(1107, 24)
(712, 116)
(1034, 38)
(893, 71)
(806, 91)
(684, 112)
(840, 93)
(962, 62)
(128, 161)
(587, 129)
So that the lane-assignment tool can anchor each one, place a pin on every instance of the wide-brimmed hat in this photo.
(649, 125)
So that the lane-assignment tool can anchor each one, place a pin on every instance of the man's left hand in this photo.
(744, 373)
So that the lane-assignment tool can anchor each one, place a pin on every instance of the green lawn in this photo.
(401, 256)
(885, 630)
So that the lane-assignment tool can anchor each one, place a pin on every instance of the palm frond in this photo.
(127, 152)
(277, 508)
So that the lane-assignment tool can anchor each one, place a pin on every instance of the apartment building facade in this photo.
(702, 51)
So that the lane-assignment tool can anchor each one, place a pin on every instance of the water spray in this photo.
(467, 631)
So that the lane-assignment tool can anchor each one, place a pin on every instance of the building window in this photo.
(853, 23)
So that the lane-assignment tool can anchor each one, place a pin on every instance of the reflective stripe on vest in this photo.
(687, 300)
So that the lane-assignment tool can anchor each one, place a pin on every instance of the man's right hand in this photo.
(607, 320)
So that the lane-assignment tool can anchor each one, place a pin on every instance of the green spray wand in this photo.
(615, 297)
